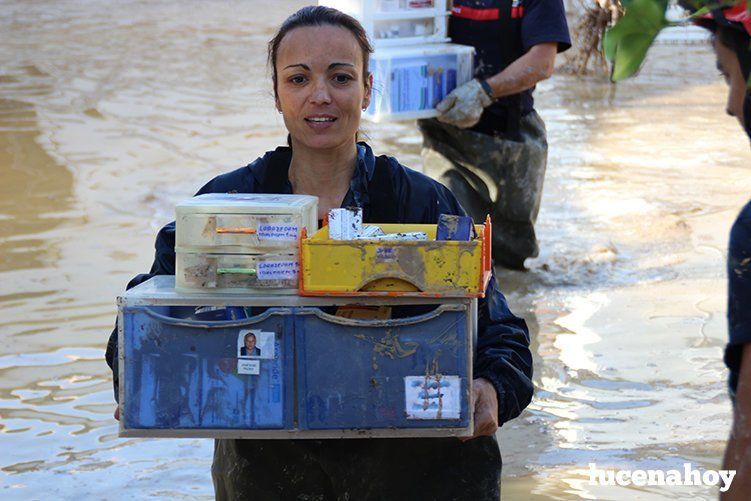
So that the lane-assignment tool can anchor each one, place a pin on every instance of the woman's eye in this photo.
(342, 78)
(297, 79)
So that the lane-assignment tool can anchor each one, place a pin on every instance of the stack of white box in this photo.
(413, 66)
(241, 242)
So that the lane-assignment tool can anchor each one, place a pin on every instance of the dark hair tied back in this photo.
(317, 15)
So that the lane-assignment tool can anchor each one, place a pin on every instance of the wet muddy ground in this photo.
(110, 113)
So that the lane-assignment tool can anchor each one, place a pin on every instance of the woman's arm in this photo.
(164, 264)
(503, 355)
(502, 387)
(738, 451)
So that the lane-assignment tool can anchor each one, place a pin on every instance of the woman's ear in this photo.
(368, 91)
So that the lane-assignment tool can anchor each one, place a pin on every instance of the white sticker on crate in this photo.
(277, 232)
(277, 270)
(249, 367)
(432, 397)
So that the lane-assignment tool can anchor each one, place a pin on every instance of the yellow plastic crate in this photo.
(395, 268)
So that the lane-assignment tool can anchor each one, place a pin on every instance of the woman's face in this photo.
(320, 86)
(727, 63)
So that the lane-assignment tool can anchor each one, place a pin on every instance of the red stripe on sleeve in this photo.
(475, 14)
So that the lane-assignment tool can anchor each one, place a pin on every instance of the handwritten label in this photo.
(385, 254)
(276, 270)
(277, 231)
(249, 367)
(432, 397)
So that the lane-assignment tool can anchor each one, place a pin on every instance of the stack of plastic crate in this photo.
(265, 333)
(244, 243)
(413, 66)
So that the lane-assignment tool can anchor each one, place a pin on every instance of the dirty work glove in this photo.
(463, 106)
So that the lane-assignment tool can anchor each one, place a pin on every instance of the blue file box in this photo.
(352, 373)
(182, 372)
(185, 374)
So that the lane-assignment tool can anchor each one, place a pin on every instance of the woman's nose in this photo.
(320, 94)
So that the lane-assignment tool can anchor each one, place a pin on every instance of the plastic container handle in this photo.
(214, 324)
(390, 322)
(241, 230)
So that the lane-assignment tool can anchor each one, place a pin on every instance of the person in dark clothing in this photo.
(489, 145)
(732, 44)
(319, 59)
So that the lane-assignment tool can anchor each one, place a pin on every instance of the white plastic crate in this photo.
(408, 82)
(398, 22)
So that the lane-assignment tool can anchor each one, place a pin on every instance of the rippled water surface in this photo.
(110, 112)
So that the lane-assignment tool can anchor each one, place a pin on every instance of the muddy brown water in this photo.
(110, 113)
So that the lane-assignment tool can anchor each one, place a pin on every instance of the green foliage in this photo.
(625, 45)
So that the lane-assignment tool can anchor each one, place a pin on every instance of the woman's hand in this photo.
(117, 413)
(485, 403)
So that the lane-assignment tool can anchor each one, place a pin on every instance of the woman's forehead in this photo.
(319, 44)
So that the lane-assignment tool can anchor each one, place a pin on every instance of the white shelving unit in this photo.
(391, 23)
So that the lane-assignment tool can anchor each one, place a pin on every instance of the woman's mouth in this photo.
(320, 121)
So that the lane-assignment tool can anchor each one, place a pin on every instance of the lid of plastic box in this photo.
(427, 49)
(247, 203)
(160, 290)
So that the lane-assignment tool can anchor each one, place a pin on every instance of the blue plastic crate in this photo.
(401, 373)
(181, 373)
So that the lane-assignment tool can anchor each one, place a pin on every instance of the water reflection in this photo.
(101, 102)
(36, 190)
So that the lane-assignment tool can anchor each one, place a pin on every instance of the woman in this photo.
(319, 60)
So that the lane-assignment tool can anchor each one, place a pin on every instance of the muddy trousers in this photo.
(493, 175)
(357, 469)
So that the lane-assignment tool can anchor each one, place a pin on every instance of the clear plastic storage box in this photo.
(243, 222)
(398, 22)
(238, 272)
(241, 242)
(410, 81)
